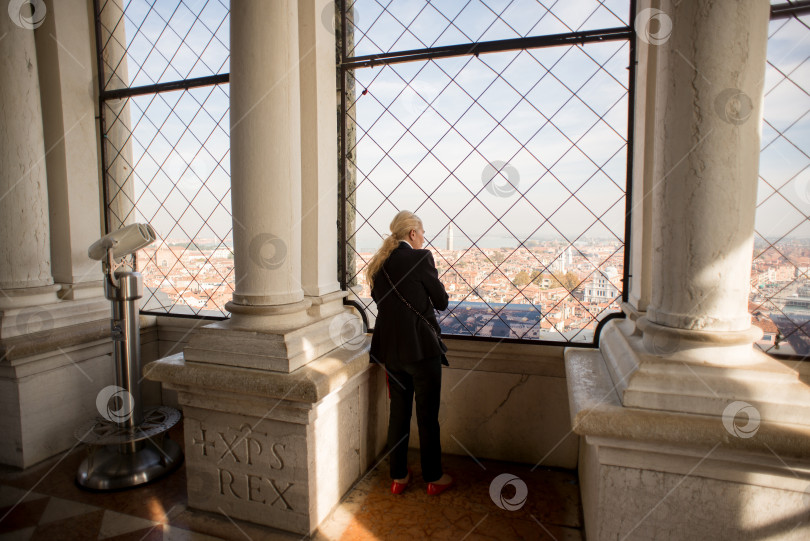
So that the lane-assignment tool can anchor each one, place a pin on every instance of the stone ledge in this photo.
(29, 345)
(42, 320)
(506, 357)
(19, 370)
(700, 385)
(310, 383)
(82, 290)
(221, 343)
(596, 411)
(715, 463)
(41, 293)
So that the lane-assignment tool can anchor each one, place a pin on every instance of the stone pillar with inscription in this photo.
(677, 405)
(283, 412)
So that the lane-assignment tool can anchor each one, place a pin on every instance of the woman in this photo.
(406, 287)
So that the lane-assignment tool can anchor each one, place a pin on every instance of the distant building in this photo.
(559, 263)
(450, 237)
(798, 305)
(601, 288)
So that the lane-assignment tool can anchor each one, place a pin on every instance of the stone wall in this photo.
(506, 401)
(499, 401)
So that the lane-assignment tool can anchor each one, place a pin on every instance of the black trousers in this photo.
(422, 379)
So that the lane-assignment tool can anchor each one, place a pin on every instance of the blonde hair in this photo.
(401, 226)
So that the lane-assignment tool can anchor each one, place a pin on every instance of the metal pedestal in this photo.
(120, 458)
(129, 447)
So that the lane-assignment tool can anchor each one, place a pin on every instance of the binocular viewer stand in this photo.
(128, 446)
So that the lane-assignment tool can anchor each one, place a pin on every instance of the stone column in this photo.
(54, 350)
(677, 401)
(273, 325)
(266, 154)
(25, 262)
(640, 285)
(703, 181)
(706, 177)
(118, 136)
(65, 59)
(285, 384)
(318, 148)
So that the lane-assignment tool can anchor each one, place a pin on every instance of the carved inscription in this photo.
(245, 446)
(203, 442)
(277, 457)
(254, 488)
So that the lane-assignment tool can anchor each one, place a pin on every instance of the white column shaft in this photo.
(709, 96)
(318, 147)
(66, 61)
(118, 118)
(24, 237)
(643, 161)
(266, 152)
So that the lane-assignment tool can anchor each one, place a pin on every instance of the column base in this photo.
(718, 348)
(270, 317)
(279, 338)
(648, 474)
(699, 372)
(278, 449)
(81, 290)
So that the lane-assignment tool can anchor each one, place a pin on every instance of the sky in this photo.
(477, 123)
(785, 158)
(541, 165)
(184, 147)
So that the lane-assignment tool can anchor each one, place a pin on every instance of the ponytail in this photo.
(401, 226)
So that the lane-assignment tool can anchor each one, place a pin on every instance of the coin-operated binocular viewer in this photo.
(128, 446)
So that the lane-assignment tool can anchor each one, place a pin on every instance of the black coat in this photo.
(400, 335)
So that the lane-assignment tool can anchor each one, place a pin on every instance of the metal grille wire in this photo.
(780, 276)
(165, 105)
(506, 148)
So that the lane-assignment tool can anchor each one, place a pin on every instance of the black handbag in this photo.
(436, 331)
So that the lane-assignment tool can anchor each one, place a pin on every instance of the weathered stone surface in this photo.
(505, 402)
(25, 260)
(278, 449)
(633, 458)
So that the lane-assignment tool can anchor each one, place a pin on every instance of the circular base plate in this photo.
(100, 431)
(115, 467)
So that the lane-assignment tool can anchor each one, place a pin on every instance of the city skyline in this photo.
(513, 149)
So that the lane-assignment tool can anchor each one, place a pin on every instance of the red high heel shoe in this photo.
(399, 488)
(434, 489)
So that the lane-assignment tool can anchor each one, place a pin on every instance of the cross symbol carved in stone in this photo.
(204, 443)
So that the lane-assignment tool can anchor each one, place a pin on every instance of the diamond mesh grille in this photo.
(165, 40)
(383, 26)
(168, 152)
(780, 274)
(516, 163)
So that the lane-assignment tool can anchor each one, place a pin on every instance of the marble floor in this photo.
(43, 503)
